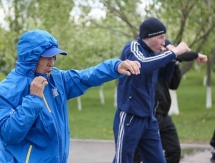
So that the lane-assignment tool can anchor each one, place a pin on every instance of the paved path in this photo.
(199, 157)
(201, 153)
(102, 151)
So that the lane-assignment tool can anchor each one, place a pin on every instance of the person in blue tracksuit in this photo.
(33, 99)
(168, 133)
(134, 123)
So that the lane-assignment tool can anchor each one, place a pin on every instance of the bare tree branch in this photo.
(185, 15)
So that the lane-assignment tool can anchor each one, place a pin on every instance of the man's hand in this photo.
(180, 49)
(201, 59)
(128, 67)
(37, 86)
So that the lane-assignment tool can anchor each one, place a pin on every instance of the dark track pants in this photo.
(169, 140)
(133, 132)
(212, 142)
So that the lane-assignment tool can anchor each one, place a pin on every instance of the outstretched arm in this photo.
(187, 56)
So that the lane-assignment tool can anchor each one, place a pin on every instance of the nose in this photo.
(51, 61)
(163, 42)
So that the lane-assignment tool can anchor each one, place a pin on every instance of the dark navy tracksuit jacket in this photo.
(134, 122)
(137, 91)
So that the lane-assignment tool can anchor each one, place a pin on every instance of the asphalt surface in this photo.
(102, 151)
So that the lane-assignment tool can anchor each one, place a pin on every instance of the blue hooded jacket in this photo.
(35, 129)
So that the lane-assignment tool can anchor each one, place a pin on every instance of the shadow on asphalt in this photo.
(191, 151)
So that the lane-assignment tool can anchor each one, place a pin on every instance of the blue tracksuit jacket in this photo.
(136, 92)
(35, 129)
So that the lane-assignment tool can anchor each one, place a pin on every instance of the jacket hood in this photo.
(30, 47)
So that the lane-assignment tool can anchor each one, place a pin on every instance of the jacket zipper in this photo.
(155, 109)
(54, 121)
(29, 153)
(44, 99)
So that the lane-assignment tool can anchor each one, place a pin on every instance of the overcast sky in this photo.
(96, 12)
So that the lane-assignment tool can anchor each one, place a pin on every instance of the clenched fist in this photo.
(180, 49)
(37, 86)
(128, 67)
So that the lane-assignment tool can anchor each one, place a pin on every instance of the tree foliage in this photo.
(94, 30)
(189, 21)
(23, 15)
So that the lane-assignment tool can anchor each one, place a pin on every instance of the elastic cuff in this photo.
(116, 66)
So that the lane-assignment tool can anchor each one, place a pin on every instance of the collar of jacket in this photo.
(43, 75)
(144, 46)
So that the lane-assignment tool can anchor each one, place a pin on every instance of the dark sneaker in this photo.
(212, 156)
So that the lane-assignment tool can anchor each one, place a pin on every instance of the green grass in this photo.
(2, 76)
(95, 120)
(195, 123)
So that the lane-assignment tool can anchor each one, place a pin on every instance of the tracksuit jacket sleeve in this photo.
(18, 121)
(78, 81)
(189, 56)
(148, 63)
(176, 78)
(166, 72)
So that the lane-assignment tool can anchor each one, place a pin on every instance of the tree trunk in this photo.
(115, 94)
(186, 67)
(79, 103)
(101, 94)
(209, 91)
(174, 105)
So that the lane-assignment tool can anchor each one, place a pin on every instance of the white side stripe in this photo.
(120, 137)
(139, 55)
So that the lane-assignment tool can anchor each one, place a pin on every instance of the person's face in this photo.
(45, 65)
(156, 43)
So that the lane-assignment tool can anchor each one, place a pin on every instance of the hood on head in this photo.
(30, 47)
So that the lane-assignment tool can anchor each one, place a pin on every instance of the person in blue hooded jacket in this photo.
(33, 99)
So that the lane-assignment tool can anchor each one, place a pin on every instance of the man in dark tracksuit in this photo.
(168, 132)
(212, 143)
(134, 123)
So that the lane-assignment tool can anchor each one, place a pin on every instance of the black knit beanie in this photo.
(151, 27)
